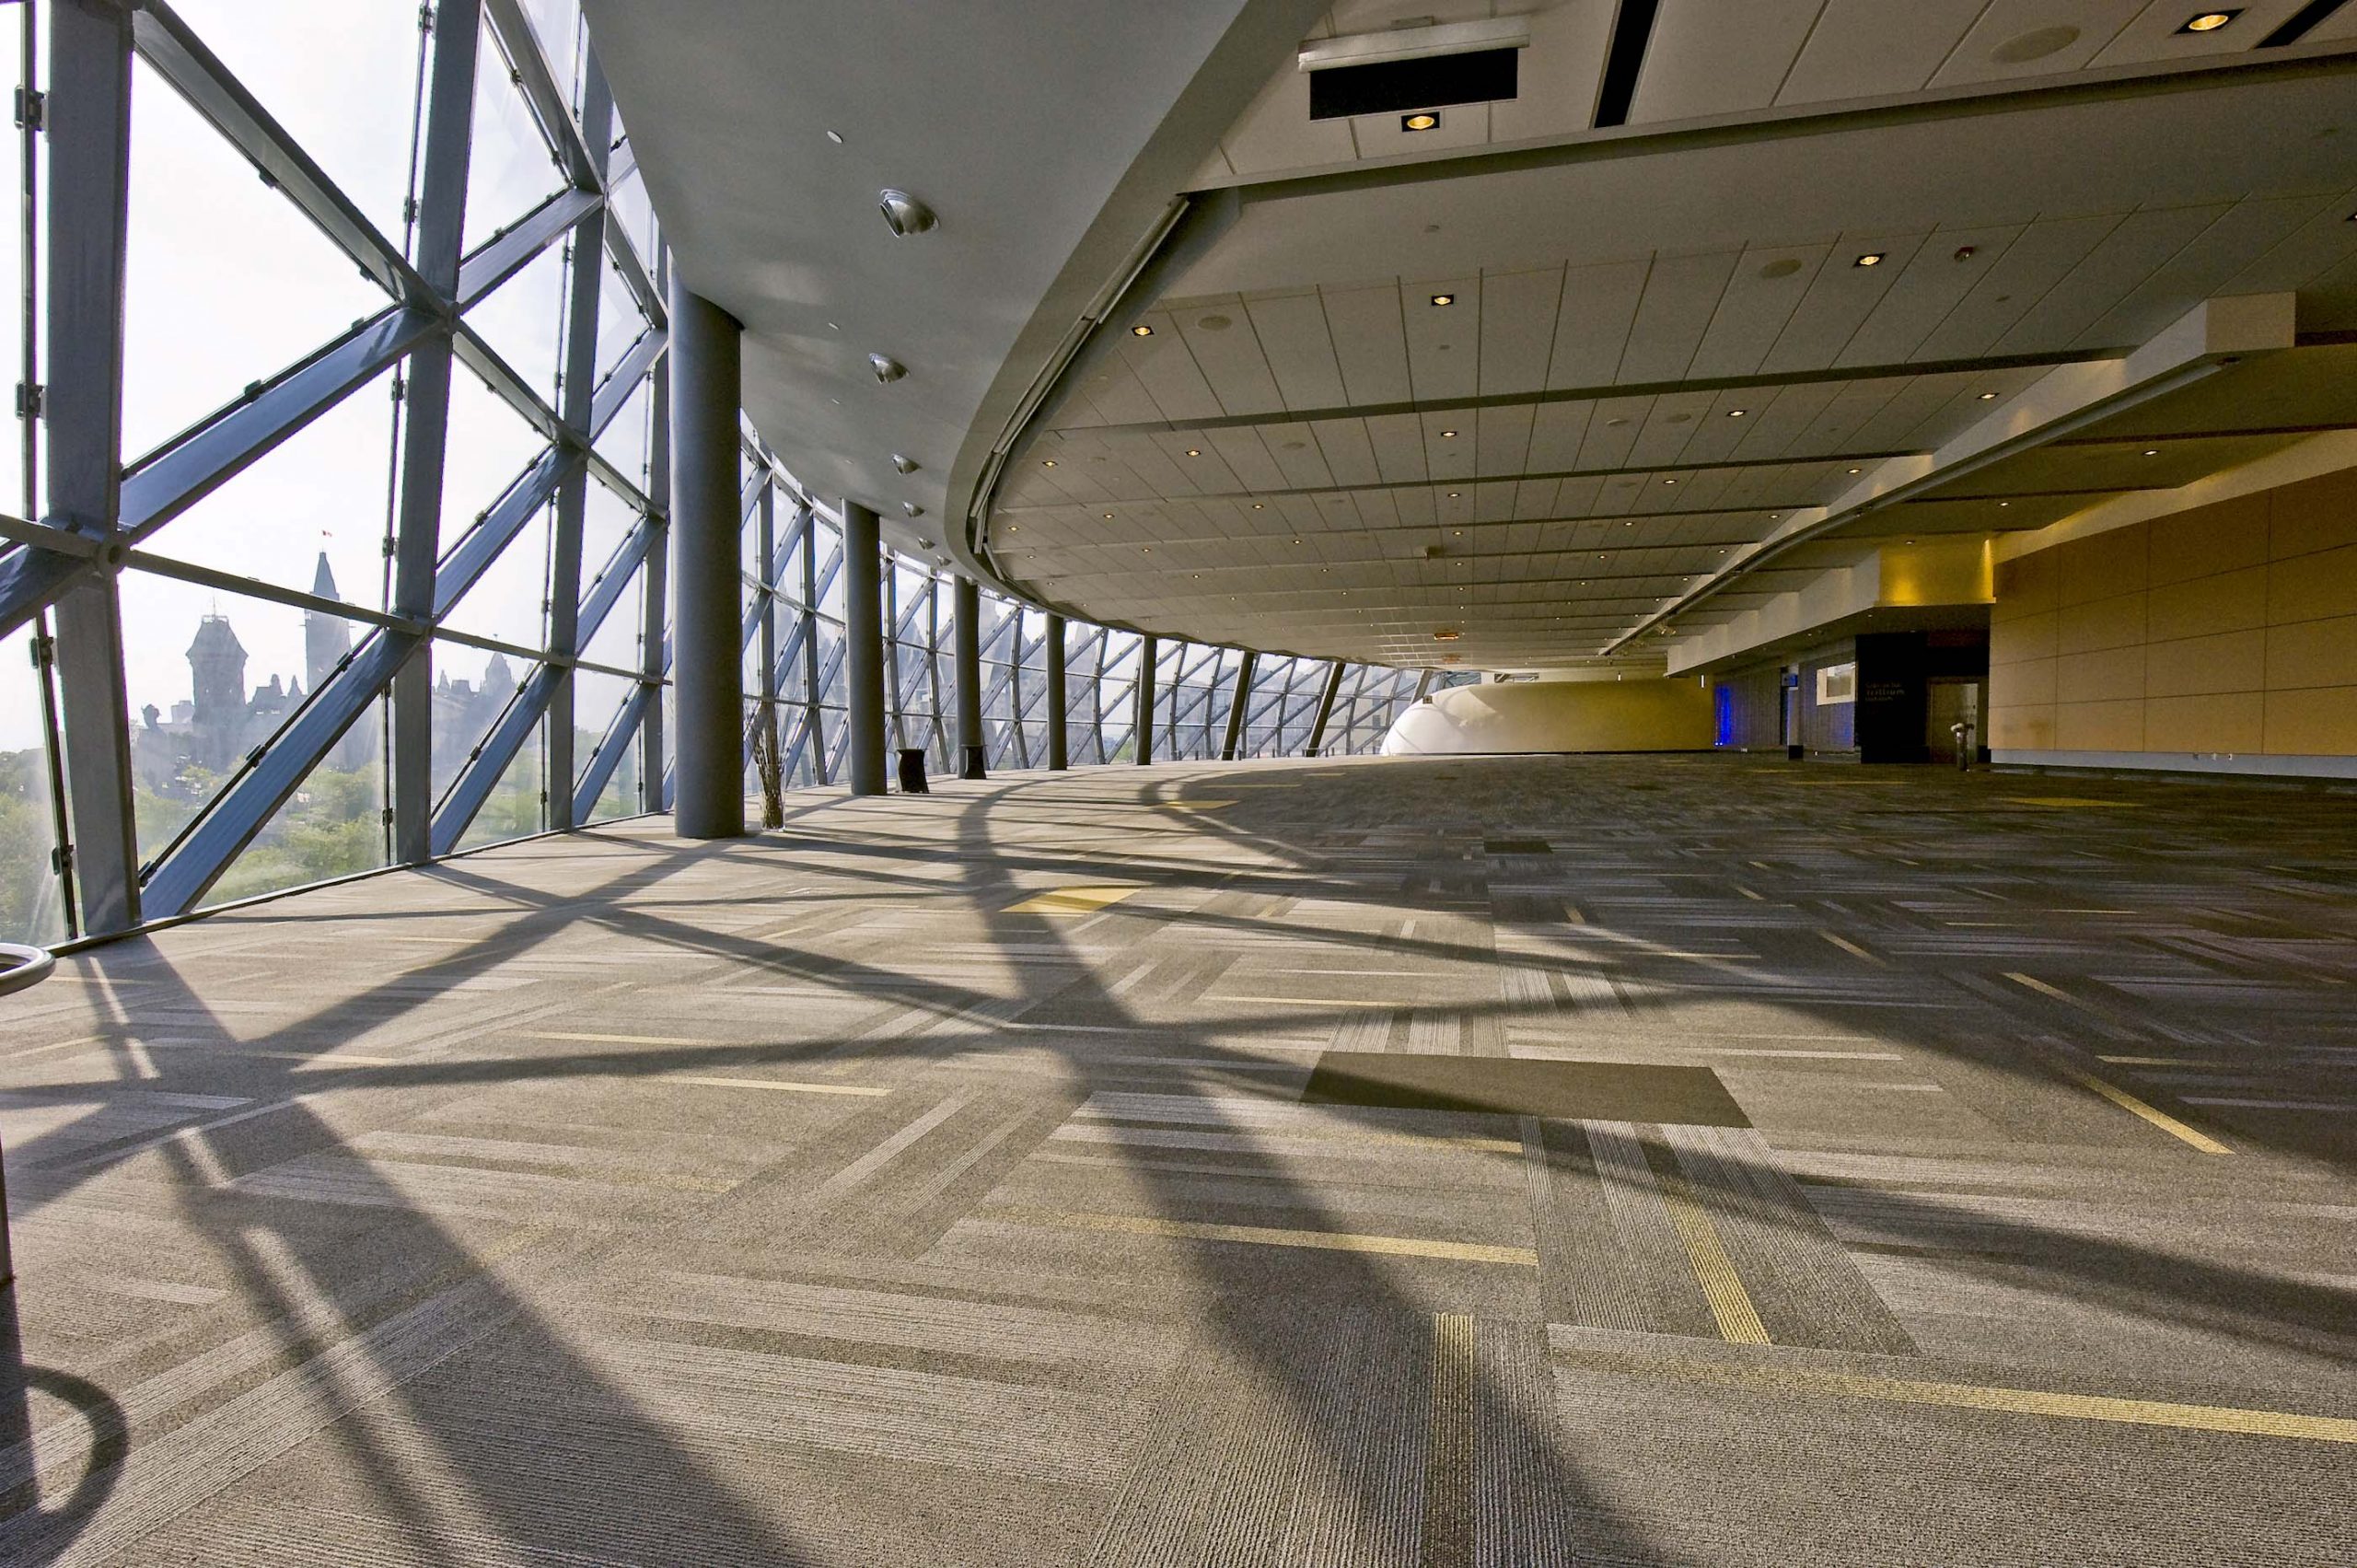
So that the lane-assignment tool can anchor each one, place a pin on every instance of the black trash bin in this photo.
(912, 771)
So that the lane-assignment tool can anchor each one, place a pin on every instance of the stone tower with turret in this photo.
(326, 638)
(217, 662)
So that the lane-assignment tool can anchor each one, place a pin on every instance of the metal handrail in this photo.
(27, 967)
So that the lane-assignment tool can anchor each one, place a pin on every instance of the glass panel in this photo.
(514, 809)
(33, 906)
(470, 690)
(309, 515)
(557, 25)
(511, 169)
(12, 285)
(606, 521)
(523, 320)
(506, 601)
(621, 321)
(332, 826)
(624, 442)
(227, 283)
(636, 213)
(488, 445)
(341, 78)
(209, 676)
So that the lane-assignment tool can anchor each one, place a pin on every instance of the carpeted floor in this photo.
(1828, 1166)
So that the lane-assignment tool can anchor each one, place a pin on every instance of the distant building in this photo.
(223, 720)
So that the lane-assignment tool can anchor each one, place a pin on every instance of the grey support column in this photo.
(1142, 732)
(1235, 708)
(707, 655)
(1059, 753)
(1324, 710)
(862, 651)
(967, 629)
(89, 148)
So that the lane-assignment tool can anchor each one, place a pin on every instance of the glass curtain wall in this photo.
(389, 420)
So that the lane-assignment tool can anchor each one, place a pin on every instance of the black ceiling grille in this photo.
(1389, 87)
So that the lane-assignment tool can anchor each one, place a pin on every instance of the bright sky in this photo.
(229, 284)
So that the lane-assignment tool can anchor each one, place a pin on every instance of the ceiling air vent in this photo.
(1414, 67)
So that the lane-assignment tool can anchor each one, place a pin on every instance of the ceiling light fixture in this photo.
(1443, 299)
(1871, 259)
(1448, 435)
(2210, 21)
(836, 137)
(1427, 121)
(886, 368)
(904, 464)
(913, 509)
(1141, 331)
(1109, 517)
(1857, 471)
(1446, 636)
(1738, 412)
(1047, 463)
(903, 213)
(2152, 452)
(1194, 451)
(1988, 397)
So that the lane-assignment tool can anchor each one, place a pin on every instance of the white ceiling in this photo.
(1555, 456)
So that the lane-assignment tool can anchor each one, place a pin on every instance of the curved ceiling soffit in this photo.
(1191, 224)
(1150, 228)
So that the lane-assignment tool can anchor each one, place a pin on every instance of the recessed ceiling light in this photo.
(1429, 120)
(1738, 412)
(1857, 471)
(1871, 259)
(1258, 508)
(2004, 503)
(2210, 21)
(1988, 397)
(1443, 299)
(1194, 451)
(1109, 517)
(1452, 495)
(1446, 636)
(1669, 481)
(1047, 463)
(2152, 452)
(836, 137)
(1141, 331)
(1448, 435)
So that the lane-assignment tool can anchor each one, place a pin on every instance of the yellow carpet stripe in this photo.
(1267, 1236)
(2154, 1114)
(1071, 901)
(1974, 1396)
(2113, 1092)
(1731, 1306)
(788, 1086)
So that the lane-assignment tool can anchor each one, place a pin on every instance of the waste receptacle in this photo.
(912, 771)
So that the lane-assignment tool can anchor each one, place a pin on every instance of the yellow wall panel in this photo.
(2312, 653)
(2227, 722)
(2109, 676)
(2320, 721)
(2231, 661)
(2114, 623)
(2099, 727)
(2103, 565)
(2027, 683)
(2309, 588)
(2022, 728)
(2025, 584)
(2208, 541)
(2029, 637)
(2233, 601)
(2316, 513)
(2244, 641)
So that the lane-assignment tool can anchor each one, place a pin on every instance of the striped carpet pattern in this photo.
(1509, 1162)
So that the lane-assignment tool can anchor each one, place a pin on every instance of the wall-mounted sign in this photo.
(1836, 683)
